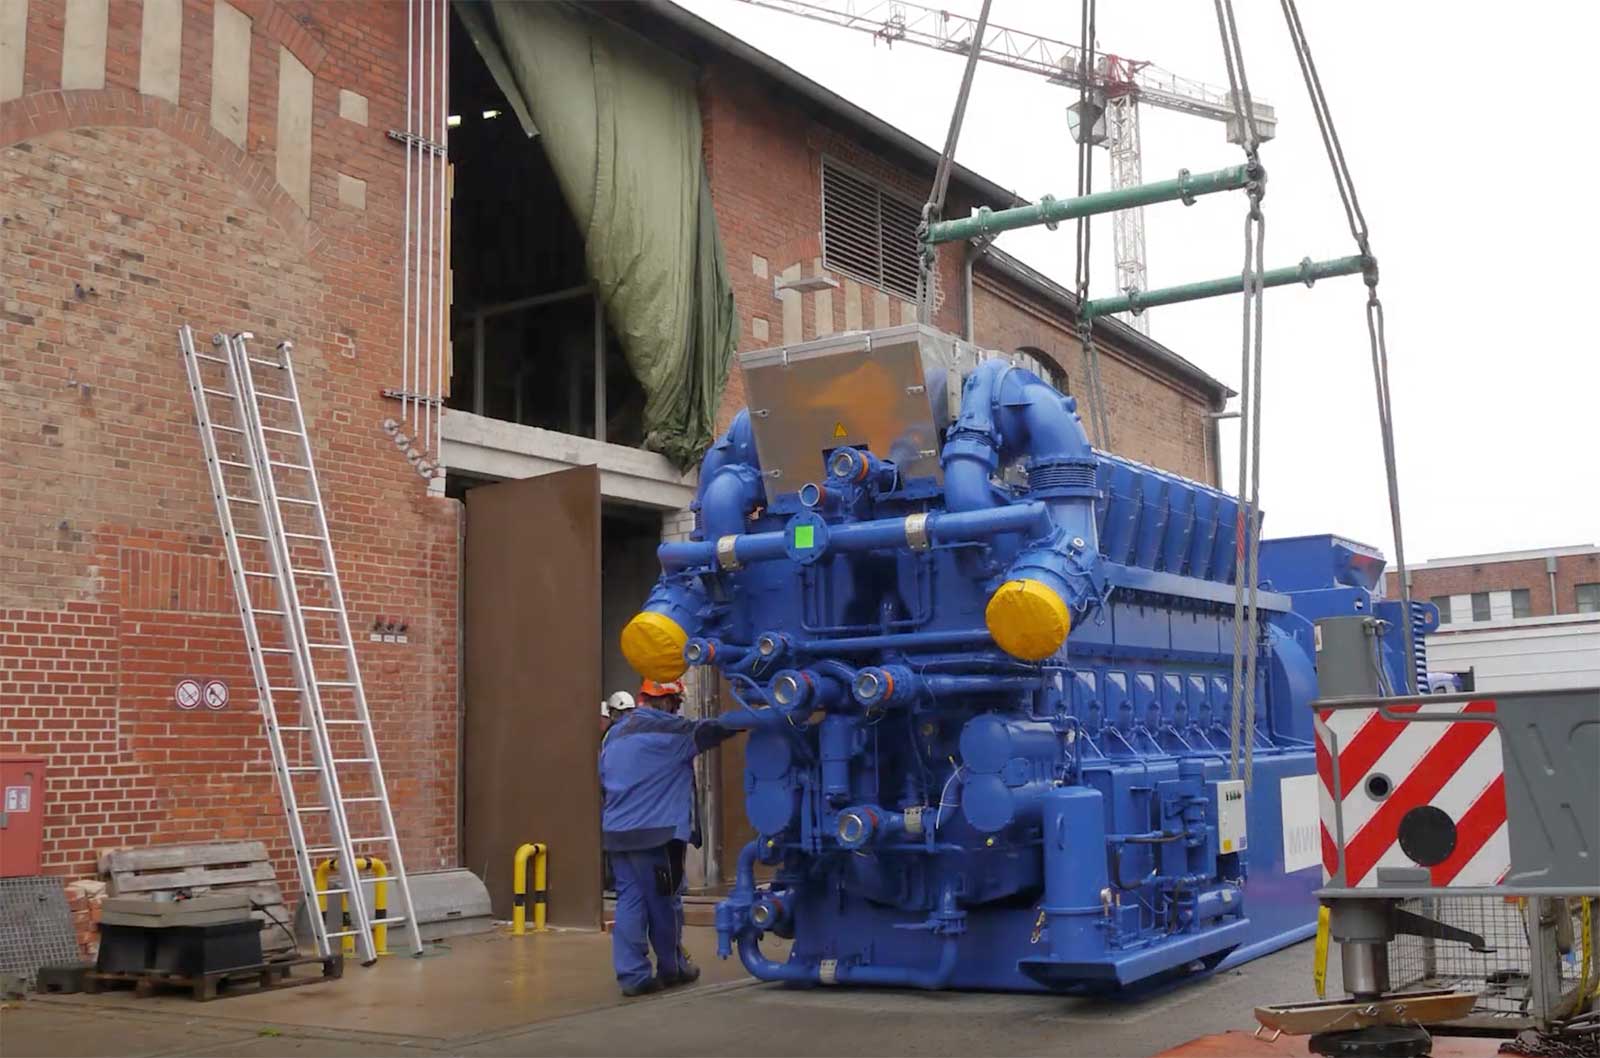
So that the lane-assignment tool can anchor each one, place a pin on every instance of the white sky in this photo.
(1444, 115)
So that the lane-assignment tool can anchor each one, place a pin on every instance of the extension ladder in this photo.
(301, 652)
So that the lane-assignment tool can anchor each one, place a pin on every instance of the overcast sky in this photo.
(1446, 114)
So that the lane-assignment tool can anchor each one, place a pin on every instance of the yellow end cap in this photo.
(1028, 619)
(653, 644)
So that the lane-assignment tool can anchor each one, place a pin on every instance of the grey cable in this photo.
(1099, 418)
(933, 209)
(1375, 334)
(1247, 547)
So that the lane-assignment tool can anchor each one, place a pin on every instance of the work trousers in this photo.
(649, 913)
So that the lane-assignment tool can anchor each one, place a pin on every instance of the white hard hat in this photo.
(616, 703)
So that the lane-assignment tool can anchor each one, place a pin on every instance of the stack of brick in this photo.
(84, 899)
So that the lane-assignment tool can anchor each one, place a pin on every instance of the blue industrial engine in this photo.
(987, 682)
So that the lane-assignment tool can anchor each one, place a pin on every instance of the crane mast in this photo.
(1118, 84)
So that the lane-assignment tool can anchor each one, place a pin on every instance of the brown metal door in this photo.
(531, 635)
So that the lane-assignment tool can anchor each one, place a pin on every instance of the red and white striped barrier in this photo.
(1394, 778)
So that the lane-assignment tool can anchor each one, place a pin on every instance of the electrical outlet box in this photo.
(1232, 835)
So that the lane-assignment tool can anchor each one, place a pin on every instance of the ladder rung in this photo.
(288, 466)
(345, 933)
(284, 690)
(266, 363)
(229, 429)
(311, 808)
(234, 463)
(304, 769)
(370, 841)
(208, 356)
(269, 613)
(311, 572)
(215, 392)
(321, 609)
(345, 723)
(294, 727)
(336, 683)
(275, 650)
(332, 892)
(306, 536)
(352, 760)
(249, 536)
(258, 573)
(297, 499)
(327, 646)
(242, 499)
(274, 396)
(280, 430)
(361, 800)
(320, 851)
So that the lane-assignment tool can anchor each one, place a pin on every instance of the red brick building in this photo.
(1478, 589)
(230, 165)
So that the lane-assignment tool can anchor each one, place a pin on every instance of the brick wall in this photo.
(764, 155)
(1530, 574)
(124, 215)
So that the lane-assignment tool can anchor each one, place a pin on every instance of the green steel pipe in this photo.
(1050, 210)
(1307, 272)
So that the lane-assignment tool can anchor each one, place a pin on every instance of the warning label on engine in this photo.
(1302, 847)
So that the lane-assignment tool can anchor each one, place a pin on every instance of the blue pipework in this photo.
(988, 711)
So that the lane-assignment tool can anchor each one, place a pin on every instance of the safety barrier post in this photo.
(380, 901)
(1048, 210)
(1307, 272)
(519, 889)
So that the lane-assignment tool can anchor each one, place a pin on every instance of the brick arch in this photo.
(55, 110)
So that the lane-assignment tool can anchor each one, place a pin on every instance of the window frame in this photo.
(1442, 604)
(1577, 597)
(1486, 610)
(882, 190)
(1525, 595)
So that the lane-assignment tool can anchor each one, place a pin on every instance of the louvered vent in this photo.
(868, 233)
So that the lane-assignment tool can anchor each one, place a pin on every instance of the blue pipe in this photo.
(882, 534)
(727, 499)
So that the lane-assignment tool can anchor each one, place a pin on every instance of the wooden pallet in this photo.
(266, 977)
(217, 867)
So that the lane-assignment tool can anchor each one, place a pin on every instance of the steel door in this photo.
(531, 638)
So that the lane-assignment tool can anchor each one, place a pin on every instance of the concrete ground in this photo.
(493, 994)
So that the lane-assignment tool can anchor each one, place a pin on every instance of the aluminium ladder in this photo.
(302, 655)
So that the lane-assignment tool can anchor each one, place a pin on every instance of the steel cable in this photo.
(1375, 333)
(1247, 533)
(1099, 420)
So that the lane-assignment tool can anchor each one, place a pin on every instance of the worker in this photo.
(612, 708)
(647, 782)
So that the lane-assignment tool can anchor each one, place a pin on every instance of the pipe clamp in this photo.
(727, 559)
(917, 532)
(828, 971)
(913, 820)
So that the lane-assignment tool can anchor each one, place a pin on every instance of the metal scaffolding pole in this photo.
(1307, 272)
(1186, 186)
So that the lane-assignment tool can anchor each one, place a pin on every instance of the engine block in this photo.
(988, 682)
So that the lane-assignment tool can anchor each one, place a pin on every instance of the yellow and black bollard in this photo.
(519, 889)
(380, 931)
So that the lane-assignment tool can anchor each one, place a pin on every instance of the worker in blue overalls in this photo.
(648, 818)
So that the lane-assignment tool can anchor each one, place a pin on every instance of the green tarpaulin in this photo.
(620, 122)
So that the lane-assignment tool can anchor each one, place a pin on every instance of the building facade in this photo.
(1510, 585)
(230, 164)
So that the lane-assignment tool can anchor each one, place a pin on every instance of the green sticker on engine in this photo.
(805, 537)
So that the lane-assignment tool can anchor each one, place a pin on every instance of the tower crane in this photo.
(1117, 86)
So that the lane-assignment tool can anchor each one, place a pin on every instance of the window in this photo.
(868, 233)
(1588, 598)
(1443, 603)
(1480, 606)
(1521, 603)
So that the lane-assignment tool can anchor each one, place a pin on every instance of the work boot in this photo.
(643, 988)
(688, 973)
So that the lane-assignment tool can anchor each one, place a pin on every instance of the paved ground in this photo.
(496, 995)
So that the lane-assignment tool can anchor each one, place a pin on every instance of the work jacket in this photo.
(647, 777)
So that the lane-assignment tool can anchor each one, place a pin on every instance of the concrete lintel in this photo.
(477, 444)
